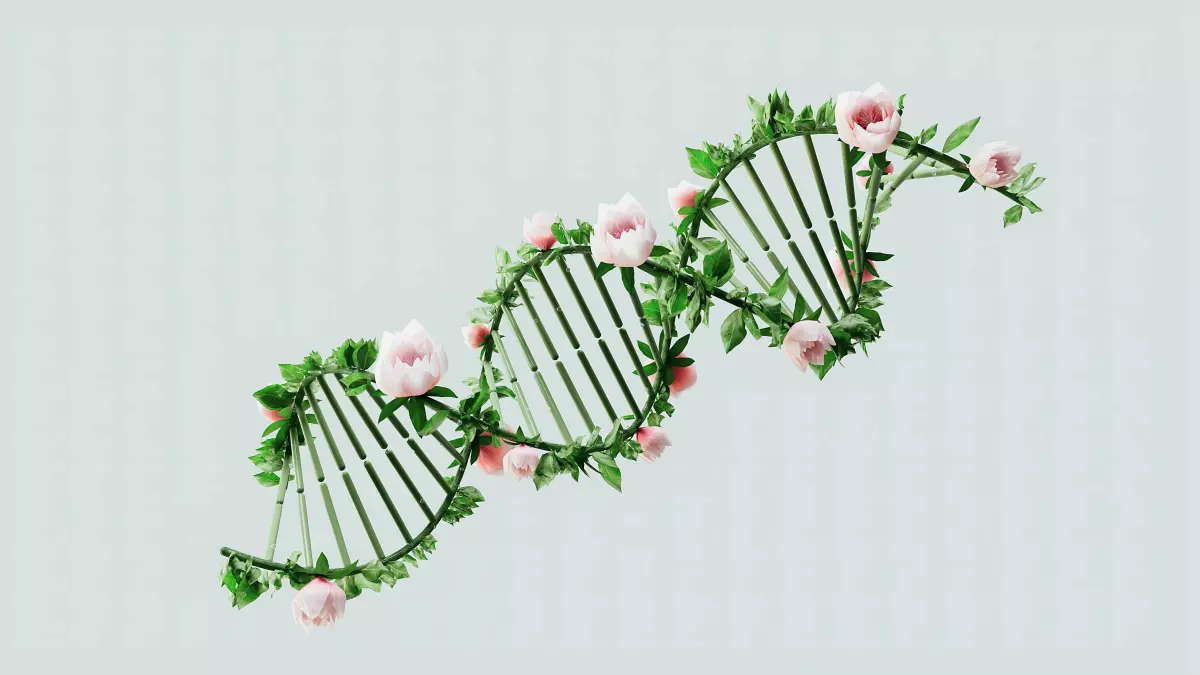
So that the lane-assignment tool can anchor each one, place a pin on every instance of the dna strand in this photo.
(578, 356)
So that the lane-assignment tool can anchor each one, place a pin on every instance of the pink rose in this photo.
(835, 261)
(409, 363)
(682, 195)
(271, 415)
(653, 441)
(521, 461)
(320, 603)
(806, 342)
(475, 333)
(995, 165)
(863, 180)
(537, 230)
(623, 236)
(491, 458)
(868, 120)
(683, 377)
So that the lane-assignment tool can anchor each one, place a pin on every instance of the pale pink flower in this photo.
(683, 377)
(475, 333)
(863, 180)
(835, 261)
(271, 415)
(319, 604)
(409, 363)
(995, 165)
(653, 441)
(623, 236)
(682, 195)
(491, 458)
(868, 120)
(806, 342)
(522, 461)
(537, 230)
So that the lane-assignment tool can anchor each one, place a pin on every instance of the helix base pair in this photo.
(573, 391)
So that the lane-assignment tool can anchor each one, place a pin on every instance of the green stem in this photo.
(855, 233)
(868, 223)
(834, 230)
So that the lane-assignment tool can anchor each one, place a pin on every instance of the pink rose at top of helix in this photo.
(863, 180)
(319, 604)
(867, 120)
(653, 441)
(806, 342)
(683, 377)
(271, 415)
(623, 235)
(995, 165)
(537, 230)
(409, 363)
(522, 461)
(682, 195)
(475, 333)
(491, 458)
(835, 261)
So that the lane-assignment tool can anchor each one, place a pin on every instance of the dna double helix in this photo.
(579, 357)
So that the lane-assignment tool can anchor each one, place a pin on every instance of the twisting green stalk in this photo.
(868, 220)
(280, 493)
(787, 236)
(537, 376)
(855, 233)
(511, 373)
(616, 317)
(834, 230)
(301, 499)
(814, 238)
(330, 511)
(562, 371)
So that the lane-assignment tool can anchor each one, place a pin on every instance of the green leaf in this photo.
(627, 278)
(779, 288)
(824, 115)
(718, 262)
(322, 564)
(274, 426)
(267, 478)
(292, 373)
(733, 330)
(391, 407)
(967, 183)
(645, 349)
(611, 473)
(560, 234)
(678, 347)
(603, 268)
(856, 326)
(879, 257)
(960, 134)
(1013, 215)
(547, 469)
(650, 311)
(702, 164)
(416, 413)
(433, 423)
(274, 397)
(442, 392)
(927, 134)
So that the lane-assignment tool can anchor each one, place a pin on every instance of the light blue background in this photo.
(189, 196)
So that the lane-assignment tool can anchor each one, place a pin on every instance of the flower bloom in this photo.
(683, 377)
(537, 230)
(521, 461)
(806, 342)
(475, 333)
(491, 458)
(409, 363)
(682, 195)
(653, 441)
(862, 180)
(271, 415)
(320, 603)
(623, 236)
(995, 165)
(868, 120)
(835, 261)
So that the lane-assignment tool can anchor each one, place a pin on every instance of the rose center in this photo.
(868, 114)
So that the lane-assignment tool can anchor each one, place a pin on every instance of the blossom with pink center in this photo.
(522, 461)
(863, 180)
(806, 342)
(319, 604)
(491, 458)
(475, 333)
(623, 235)
(867, 120)
(653, 441)
(271, 415)
(683, 377)
(995, 165)
(409, 363)
(537, 230)
(835, 261)
(682, 195)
